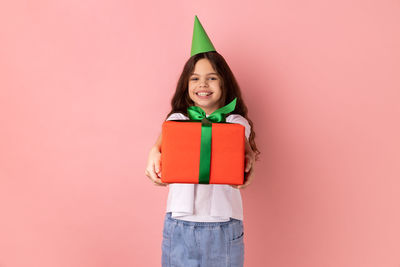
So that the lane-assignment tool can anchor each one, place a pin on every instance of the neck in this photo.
(208, 111)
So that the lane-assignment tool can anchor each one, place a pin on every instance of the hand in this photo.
(153, 169)
(250, 158)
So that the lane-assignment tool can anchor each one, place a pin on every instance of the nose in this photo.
(203, 83)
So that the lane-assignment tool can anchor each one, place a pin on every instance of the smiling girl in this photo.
(204, 222)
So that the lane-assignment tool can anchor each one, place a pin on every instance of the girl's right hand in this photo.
(153, 169)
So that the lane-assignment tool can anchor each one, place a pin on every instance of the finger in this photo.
(151, 174)
(155, 176)
(244, 184)
(241, 185)
(157, 166)
(157, 181)
(249, 179)
(160, 183)
(248, 165)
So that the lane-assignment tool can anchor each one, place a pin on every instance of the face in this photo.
(204, 86)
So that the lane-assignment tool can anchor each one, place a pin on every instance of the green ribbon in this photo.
(197, 114)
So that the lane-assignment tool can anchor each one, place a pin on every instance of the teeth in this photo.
(203, 94)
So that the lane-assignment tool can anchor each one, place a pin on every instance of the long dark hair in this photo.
(229, 87)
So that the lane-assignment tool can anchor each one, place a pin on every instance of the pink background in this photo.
(85, 86)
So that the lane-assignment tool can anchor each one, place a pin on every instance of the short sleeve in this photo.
(176, 116)
(236, 118)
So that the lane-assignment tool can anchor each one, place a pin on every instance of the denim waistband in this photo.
(179, 221)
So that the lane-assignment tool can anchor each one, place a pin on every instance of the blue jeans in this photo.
(202, 244)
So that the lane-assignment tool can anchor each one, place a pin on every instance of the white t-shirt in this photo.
(206, 202)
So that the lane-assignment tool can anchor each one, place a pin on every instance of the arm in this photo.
(249, 166)
(153, 169)
(157, 145)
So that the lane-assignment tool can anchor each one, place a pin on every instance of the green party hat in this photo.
(200, 42)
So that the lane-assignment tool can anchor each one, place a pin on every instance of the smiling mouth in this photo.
(204, 93)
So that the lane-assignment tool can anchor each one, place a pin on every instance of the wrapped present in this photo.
(203, 150)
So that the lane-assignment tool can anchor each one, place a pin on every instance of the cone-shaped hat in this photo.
(200, 42)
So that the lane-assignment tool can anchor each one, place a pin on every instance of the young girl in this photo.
(203, 224)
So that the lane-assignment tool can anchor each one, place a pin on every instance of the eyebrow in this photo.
(206, 74)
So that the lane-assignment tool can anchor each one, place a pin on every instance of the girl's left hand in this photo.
(249, 167)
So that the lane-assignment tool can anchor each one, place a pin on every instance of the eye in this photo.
(194, 79)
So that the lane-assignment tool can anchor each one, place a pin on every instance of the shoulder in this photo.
(237, 118)
(177, 116)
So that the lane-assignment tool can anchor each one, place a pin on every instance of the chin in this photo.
(205, 104)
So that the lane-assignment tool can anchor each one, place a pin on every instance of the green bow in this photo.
(197, 114)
